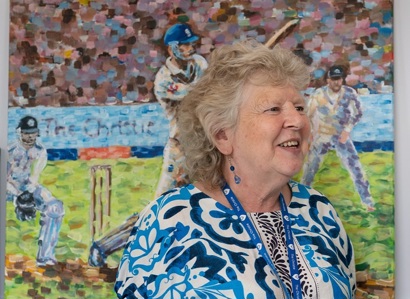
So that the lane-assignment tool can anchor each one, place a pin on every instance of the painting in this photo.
(91, 132)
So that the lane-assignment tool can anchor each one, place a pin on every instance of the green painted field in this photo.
(372, 233)
(134, 182)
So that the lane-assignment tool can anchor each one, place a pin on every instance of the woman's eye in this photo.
(300, 108)
(273, 109)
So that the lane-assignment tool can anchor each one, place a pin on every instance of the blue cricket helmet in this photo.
(181, 34)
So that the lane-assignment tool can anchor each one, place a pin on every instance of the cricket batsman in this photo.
(182, 68)
(27, 158)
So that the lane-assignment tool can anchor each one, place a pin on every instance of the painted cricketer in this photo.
(334, 110)
(182, 68)
(26, 160)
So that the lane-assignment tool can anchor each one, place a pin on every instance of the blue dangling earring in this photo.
(236, 178)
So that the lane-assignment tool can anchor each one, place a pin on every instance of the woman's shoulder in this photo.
(179, 193)
(176, 197)
(306, 194)
(303, 191)
(311, 204)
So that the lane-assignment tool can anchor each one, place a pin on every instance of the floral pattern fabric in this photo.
(187, 245)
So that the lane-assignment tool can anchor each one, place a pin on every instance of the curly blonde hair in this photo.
(213, 103)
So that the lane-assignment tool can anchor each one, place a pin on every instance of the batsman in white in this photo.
(182, 68)
(26, 160)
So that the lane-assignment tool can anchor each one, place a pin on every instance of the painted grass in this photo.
(372, 233)
(133, 186)
(134, 182)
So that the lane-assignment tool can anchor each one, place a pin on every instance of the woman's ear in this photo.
(223, 142)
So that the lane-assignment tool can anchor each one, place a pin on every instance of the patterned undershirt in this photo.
(272, 233)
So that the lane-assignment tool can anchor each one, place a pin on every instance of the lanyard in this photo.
(293, 264)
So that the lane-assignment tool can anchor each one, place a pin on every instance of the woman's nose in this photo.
(295, 119)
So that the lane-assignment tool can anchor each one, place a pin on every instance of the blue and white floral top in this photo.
(187, 245)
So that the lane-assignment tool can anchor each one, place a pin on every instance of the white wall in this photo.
(402, 137)
(4, 53)
(402, 144)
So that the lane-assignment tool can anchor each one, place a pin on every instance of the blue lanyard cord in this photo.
(293, 263)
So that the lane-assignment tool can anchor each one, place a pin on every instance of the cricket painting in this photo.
(94, 88)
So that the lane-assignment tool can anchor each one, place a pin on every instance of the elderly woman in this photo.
(243, 228)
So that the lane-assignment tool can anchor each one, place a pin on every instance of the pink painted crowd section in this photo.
(81, 53)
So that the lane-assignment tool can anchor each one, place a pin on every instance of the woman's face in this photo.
(272, 133)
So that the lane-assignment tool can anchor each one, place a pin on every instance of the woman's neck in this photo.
(260, 198)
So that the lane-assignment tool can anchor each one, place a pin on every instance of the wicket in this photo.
(100, 207)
